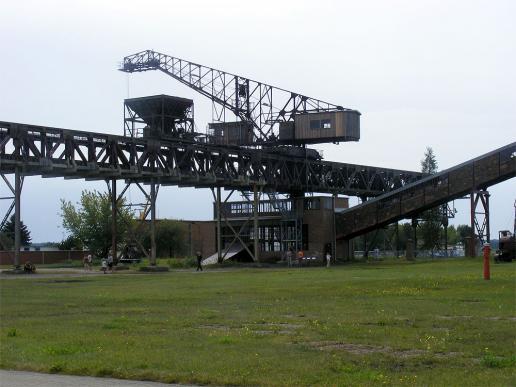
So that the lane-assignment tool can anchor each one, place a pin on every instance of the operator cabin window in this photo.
(315, 124)
(326, 124)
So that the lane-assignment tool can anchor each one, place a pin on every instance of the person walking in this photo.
(104, 265)
(199, 261)
(328, 259)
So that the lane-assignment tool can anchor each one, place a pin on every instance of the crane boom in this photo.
(260, 105)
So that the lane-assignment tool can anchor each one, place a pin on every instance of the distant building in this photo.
(45, 246)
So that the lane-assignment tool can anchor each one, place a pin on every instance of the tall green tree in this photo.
(8, 232)
(430, 227)
(429, 163)
(463, 231)
(90, 221)
(170, 238)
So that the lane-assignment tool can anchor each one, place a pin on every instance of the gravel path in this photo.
(24, 379)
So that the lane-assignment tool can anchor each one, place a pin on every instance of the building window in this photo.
(312, 204)
(326, 124)
(315, 124)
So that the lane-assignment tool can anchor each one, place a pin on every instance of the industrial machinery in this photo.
(160, 116)
(256, 143)
(506, 247)
(507, 243)
(250, 113)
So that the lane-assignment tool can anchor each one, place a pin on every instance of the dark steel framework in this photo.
(480, 216)
(262, 105)
(47, 151)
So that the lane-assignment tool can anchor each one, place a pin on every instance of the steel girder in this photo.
(50, 152)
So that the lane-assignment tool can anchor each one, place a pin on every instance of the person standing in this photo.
(289, 257)
(300, 256)
(85, 262)
(110, 262)
(199, 261)
(328, 259)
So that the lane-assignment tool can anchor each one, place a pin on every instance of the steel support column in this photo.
(219, 227)
(480, 216)
(114, 202)
(397, 240)
(17, 216)
(255, 225)
(414, 226)
(334, 229)
(153, 223)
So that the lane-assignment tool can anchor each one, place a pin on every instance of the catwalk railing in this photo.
(453, 183)
(46, 151)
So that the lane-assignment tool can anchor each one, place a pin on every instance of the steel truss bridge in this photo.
(54, 152)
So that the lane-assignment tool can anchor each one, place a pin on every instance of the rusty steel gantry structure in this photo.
(256, 143)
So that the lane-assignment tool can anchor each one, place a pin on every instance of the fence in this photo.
(42, 257)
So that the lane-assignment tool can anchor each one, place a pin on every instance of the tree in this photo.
(452, 235)
(430, 227)
(70, 243)
(463, 231)
(90, 222)
(429, 162)
(170, 238)
(8, 231)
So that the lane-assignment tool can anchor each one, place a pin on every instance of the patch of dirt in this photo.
(215, 327)
(454, 317)
(493, 318)
(285, 325)
(362, 349)
(446, 355)
(264, 332)
(260, 332)
(64, 281)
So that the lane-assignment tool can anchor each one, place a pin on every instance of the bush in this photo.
(182, 263)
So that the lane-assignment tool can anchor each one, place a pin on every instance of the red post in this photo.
(487, 252)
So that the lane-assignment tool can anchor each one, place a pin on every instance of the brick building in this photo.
(305, 223)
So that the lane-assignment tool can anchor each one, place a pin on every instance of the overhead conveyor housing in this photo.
(429, 192)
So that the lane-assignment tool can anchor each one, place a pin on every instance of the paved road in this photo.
(29, 379)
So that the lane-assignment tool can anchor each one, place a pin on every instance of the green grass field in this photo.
(430, 323)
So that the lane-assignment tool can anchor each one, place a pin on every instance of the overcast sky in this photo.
(422, 73)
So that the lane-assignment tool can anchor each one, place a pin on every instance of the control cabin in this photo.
(322, 127)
